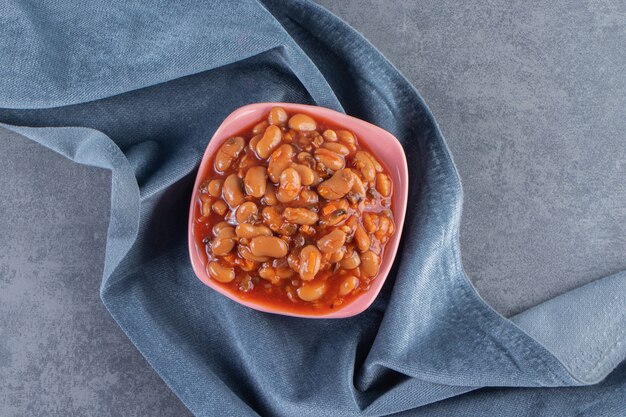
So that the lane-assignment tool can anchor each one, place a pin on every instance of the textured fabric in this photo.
(140, 88)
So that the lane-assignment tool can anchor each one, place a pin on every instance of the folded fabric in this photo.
(140, 88)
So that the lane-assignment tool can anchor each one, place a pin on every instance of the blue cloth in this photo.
(139, 88)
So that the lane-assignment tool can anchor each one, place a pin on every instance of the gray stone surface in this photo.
(531, 100)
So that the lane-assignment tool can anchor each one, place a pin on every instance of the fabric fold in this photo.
(585, 328)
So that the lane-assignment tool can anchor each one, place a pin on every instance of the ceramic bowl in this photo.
(382, 144)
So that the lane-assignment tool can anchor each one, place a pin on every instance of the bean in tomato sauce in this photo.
(294, 212)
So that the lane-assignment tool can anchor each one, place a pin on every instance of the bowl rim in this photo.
(400, 185)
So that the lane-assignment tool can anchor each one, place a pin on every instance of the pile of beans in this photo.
(294, 211)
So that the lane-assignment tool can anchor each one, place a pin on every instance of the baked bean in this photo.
(337, 186)
(332, 241)
(365, 165)
(281, 159)
(270, 140)
(302, 122)
(268, 246)
(223, 242)
(227, 232)
(309, 262)
(377, 166)
(221, 273)
(346, 136)
(329, 159)
(311, 291)
(300, 216)
(338, 148)
(369, 264)
(220, 207)
(221, 247)
(383, 184)
(255, 140)
(218, 227)
(247, 212)
(358, 188)
(351, 260)
(247, 254)
(228, 152)
(307, 175)
(215, 188)
(259, 128)
(274, 274)
(233, 190)
(248, 231)
(277, 116)
(361, 238)
(330, 135)
(370, 222)
(337, 255)
(348, 139)
(348, 284)
(255, 181)
(289, 187)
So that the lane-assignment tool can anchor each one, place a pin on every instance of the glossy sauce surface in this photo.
(294, 212)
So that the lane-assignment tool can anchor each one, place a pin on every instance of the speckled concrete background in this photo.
(531, 100)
